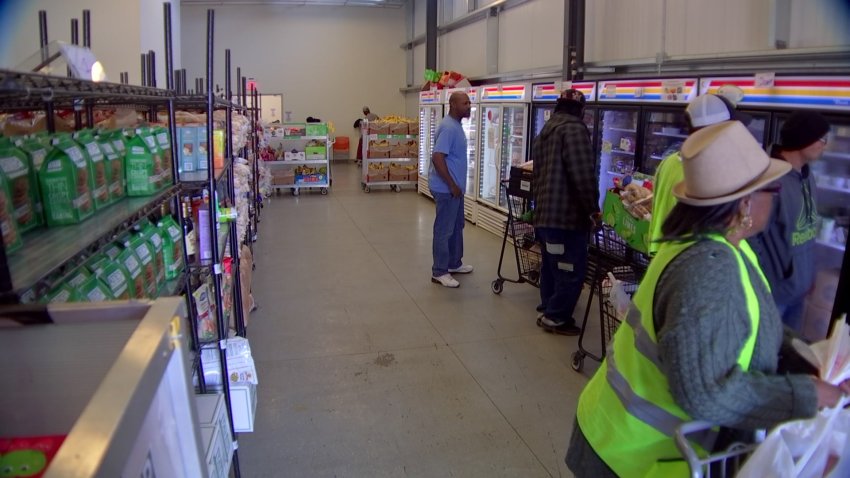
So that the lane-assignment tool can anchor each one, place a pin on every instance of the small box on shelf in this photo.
(413, 175)
(378, 175)
(283, 178)
(316, 152)
(400, 151)
(294, 129)
(413, 128)
(294, 156)
(316, 129)
(379, 152)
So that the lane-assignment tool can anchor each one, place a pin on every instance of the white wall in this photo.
(531, 35)
(152, 34)
(328, 62)
(817, 23)
(114, 31)
(455, 52)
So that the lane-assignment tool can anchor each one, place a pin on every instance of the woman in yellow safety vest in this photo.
(702, 338)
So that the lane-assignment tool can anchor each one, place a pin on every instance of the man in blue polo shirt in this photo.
(447, 180)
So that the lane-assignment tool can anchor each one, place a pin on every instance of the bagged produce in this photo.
(15, 165)
(96, 162)
(9, 227)
(65, 184)
(114, 165)
(36, 151)
(141, 167)
(130, 260)
(172, 246)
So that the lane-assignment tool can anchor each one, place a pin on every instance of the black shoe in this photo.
(540, 308)
(564, 328)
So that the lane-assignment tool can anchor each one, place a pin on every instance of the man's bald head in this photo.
(459, 105)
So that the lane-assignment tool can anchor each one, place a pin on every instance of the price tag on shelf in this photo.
(765, 80)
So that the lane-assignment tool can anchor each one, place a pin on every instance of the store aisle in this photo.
(367, 369)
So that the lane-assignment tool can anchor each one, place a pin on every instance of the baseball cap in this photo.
(711, 109)
(573, 95)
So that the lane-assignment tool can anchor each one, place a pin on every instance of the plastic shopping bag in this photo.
(816, 447)
(834, 354)
(619, 299)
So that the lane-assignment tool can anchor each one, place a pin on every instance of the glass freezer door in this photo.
(491, 137)
(664, 134)
(542, 113)
(470, 127)
(617, 139)
(513, 144)
(429, 118)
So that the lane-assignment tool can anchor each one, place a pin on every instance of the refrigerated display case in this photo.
(470, 128)
(503, 143)
(640, 121)
(430, 114)
(773, 100)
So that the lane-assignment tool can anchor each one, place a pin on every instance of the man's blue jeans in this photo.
(562, 271)
(448, 233)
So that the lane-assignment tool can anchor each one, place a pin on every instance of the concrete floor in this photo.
(367, 369)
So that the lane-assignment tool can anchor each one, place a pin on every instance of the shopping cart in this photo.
(608, 254)
(720, 464)
(520, 232)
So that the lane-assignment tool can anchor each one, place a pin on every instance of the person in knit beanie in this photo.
(786, 249)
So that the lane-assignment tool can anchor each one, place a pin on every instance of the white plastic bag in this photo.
(619, 299)
(805, 448)
(834, 354)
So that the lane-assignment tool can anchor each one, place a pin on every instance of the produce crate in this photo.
(379, 128)
(413, 175)
(316, 152)
(283, 179)
(399, 129)
(379, 153)
(413, 128)
(412, 149)
(400, 151)
(317, 129)
(378, 175)
(398, 174)
(633, 230)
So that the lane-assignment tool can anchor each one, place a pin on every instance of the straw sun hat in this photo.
(723, 162)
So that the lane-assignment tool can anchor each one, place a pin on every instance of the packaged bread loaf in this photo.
(149, 135)
(15, 166)
(64, 183)
(36, 150)
(172, 236)
(152, 234)
(130, 260)
(145, 252)
(114, 166)
(140, 167)
(97, 168)
(163, 141)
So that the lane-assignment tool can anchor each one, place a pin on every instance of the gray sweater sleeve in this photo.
(701, 314)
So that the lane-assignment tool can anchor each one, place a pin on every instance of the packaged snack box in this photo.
(201, 149)
(149, 135)
(78, 278)
(113, 274)
(65, 184)
(61, 294)
(188, 138)
(15, 165)
(96, 166)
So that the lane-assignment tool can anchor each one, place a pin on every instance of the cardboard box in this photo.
(379, 152)
(634, 231)
(317, 129)
(413, 128)
(283, 179)
(296, 156)
(399, 151)
(218, 463)
(378, 175)
(398, 174)
(399, 129)
(212, 414)
(379, 128)
(187, 139)
(316, 152)
(201, 149)
(413, 149)
(413, 175)
(294, 129)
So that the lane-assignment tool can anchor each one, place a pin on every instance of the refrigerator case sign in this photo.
(825, 92)
(649, 91)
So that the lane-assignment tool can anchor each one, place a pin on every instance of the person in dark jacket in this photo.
(566, 197)
(786, 249)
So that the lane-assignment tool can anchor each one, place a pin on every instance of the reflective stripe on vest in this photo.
(626, 412)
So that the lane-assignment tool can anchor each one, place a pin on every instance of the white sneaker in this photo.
(446, 280)
(464, 269)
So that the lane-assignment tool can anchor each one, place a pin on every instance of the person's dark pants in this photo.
(792, 313)
(448, 233)
(562, 271)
